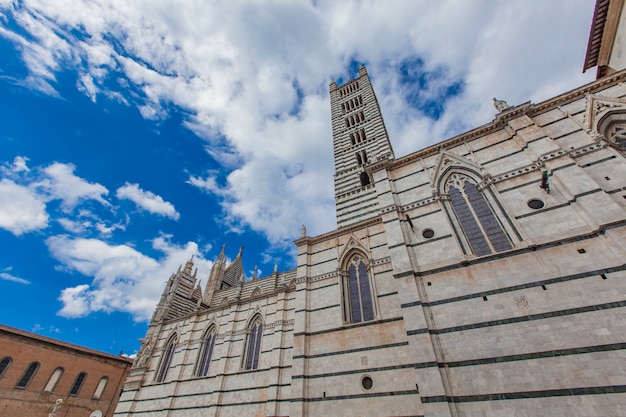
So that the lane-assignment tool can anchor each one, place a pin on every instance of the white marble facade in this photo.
(456, 284)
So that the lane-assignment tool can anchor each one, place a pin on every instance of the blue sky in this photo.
(135, 134)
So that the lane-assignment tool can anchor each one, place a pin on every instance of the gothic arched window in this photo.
(482, 229)
(253, 346)
(357, 292)
(206, 352)
(166, 359)
(28, 375)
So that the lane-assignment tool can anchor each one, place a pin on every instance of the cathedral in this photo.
(481, 276)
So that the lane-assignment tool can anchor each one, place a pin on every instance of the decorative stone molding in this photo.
(317, 277)
(381, 261)
(358, 190)
(387, 209)
(531, 110)
(583, 150)
(420, 203)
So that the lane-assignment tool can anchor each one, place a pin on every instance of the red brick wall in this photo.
(33, 402)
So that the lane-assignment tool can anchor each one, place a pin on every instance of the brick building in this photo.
(482, 276)
(40, 376)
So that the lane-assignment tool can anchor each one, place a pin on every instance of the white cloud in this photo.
(61, 183)
(21, 209)
(19, 164)
(124, 279)
(255, 78)
(14, 169)
(147, 200)
(85, 222)
(5, 275)
(75, 301)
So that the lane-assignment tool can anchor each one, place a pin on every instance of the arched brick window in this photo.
(78, 383)
(28, 375)
(53, 380)
(4, 365)
(102, 384)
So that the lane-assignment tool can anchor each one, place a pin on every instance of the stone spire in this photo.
(189, 266)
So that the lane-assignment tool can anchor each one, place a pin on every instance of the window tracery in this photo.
(481, 227)
(206, 352)
(253, 349)
(166, 360)
(358, 299)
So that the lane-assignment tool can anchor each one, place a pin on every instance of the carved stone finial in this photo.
(500, 105)
(303, 234)
(275, 268)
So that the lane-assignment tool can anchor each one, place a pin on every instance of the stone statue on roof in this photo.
(500, 105)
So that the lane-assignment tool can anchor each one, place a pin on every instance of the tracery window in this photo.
(613, 127)
(28, 375)
(253, 348)
(166, 360)
(357, 292)
(54, 378)
(78, 383)
(617, 135)
(206, 353)
(481, 227)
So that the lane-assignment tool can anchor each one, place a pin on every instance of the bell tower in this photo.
(360, 141)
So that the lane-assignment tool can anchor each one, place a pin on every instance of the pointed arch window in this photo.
(54, 379)
(253, 349)
(28, 375)
(4, 365)
(166, 360)
(206, 352)
(357, 292)
(482, 229)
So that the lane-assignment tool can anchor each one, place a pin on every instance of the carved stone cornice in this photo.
(337, 232)
(530, 110)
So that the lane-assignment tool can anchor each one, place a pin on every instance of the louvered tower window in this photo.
(482, 229)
